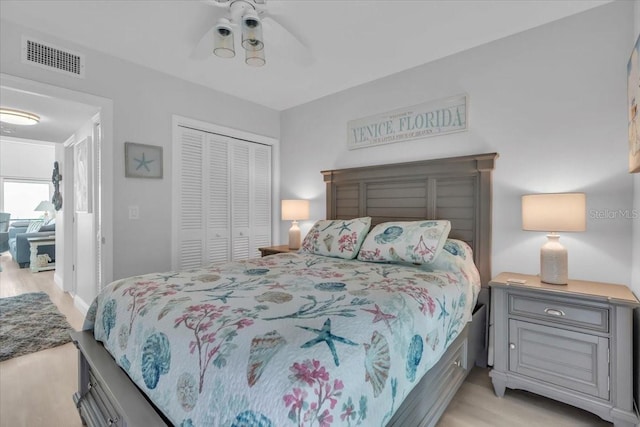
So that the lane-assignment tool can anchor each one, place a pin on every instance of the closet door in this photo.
(250, 199)
(191, 224)
(223, 197)
(240, 201)
(261, 209)
(217, 198)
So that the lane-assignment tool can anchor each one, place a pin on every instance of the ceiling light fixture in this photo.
(223, 39)
(17, 117)
(241, 12)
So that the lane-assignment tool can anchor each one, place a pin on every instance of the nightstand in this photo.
(572, 343)
(272, 250)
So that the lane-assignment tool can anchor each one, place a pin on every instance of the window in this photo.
(20, 198)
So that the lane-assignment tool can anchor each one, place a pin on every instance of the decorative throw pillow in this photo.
(34, 226)
(453, 253)
(48, 227)
(340, 238)
(457, 257)
(416, 242)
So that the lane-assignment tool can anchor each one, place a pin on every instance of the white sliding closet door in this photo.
(191, 223)
(217, 212)
(261, 208)
(224, 199)
(241, 201)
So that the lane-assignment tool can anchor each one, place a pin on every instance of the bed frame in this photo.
(457, 188)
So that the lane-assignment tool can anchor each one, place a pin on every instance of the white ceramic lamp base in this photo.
(553, 262)
(294, 236)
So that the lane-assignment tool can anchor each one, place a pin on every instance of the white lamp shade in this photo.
(255, 58)
(223, 39)
(294, 210)
(44, 205)
(252, 31)
(554, 212)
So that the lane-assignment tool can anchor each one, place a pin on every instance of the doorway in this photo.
(88, 229)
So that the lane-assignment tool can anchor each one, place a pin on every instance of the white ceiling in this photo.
(59, 119)
(350, 42)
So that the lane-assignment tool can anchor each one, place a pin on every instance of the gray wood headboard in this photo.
(457, 188)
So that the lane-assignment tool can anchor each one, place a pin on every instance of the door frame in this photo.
(103, 186)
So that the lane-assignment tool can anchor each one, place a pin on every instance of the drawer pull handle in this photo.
(554, 312)
(512, 346)
(457, 363)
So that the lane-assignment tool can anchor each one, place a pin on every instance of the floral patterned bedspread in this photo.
(289, 339)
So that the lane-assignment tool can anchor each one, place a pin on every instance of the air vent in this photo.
(52, 57)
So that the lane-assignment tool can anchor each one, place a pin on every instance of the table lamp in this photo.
(45, 206)
(295, 210)
(553, 213)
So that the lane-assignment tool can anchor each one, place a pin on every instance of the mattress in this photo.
(289, 339)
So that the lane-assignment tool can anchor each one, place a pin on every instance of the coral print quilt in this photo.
(285, 340)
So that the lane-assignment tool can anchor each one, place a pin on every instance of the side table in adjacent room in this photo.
(34, 262)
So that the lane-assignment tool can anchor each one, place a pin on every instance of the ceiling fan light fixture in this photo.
(223, 39)
(252, 31)
(255, 58)
(17, 117)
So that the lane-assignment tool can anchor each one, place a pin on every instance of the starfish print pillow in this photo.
(339, 238)
(416, 242)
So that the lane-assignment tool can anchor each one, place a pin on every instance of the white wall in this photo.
(550, 101)
(143, 104)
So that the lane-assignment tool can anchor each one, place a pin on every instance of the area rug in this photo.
(29, 323)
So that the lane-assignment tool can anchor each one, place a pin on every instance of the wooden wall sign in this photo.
(432, 118)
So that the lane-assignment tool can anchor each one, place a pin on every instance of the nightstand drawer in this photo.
(560, 311)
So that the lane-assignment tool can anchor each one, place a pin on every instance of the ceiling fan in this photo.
(245, 20)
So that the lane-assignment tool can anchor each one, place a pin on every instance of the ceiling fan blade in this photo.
(285, 40)
(204, 48)
(287, 24)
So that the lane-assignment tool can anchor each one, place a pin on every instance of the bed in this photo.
(306, 339)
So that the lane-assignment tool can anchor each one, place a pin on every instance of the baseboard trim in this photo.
(58, 281)
(81, 305)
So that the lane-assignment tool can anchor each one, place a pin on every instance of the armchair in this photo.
(4, 231)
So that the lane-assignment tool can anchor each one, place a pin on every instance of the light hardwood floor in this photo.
(36, 389)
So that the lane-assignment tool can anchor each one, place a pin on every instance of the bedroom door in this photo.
(224, 198)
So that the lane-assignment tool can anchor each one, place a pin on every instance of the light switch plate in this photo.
(134, 212)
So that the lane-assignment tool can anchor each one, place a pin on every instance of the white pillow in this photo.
(34, 226)
(339, 238)
(416, 242)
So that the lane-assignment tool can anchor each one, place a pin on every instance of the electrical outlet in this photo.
(134, 212)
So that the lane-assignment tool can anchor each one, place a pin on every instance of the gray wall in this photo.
(635, 275)
(550, 101)
(143, 102)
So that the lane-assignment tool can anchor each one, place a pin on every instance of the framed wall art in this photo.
(633, 97)
(82, 175)
(142, 161)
